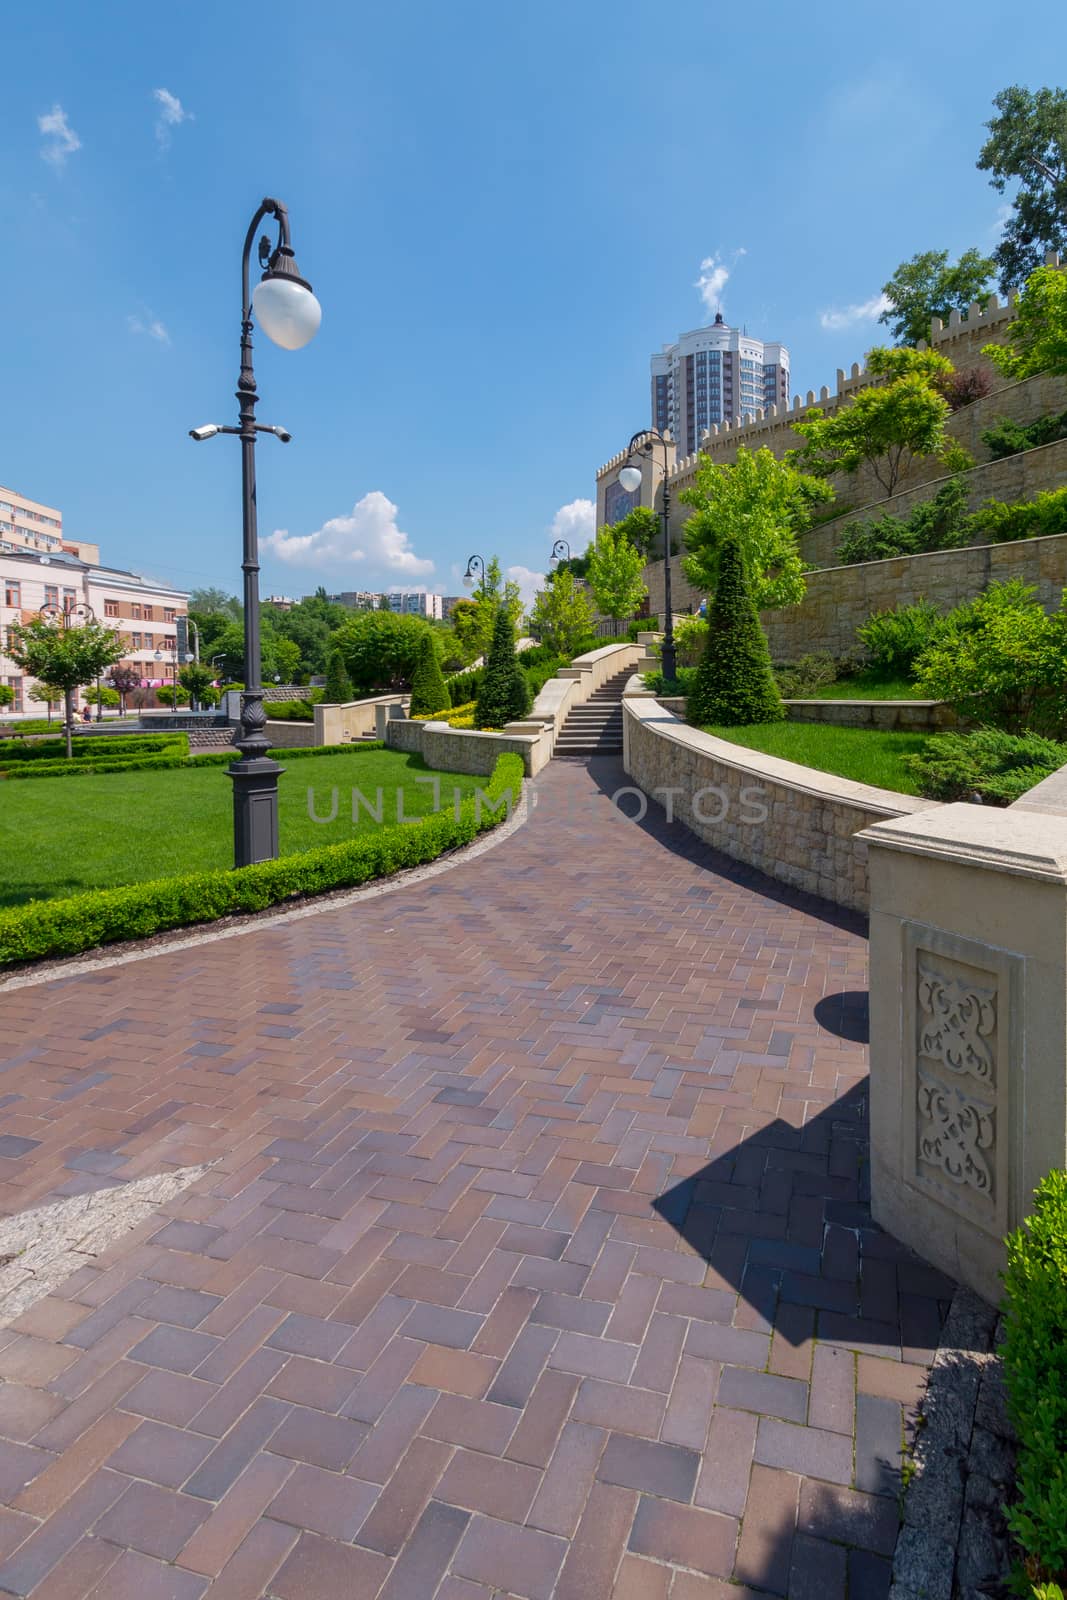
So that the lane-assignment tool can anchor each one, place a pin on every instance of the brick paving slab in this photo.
(535, 1258)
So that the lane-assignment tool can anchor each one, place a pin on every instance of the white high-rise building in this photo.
(715, 374)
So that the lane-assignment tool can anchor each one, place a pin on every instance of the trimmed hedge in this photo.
(66, 927)
(95, 748)
(1035, 1370)
(165, 763)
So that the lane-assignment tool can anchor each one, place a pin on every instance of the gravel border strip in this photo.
(117, 955)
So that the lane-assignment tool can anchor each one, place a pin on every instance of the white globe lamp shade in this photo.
(468, 581)
(287, 311)
(630, 478)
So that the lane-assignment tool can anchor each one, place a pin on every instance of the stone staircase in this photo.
(595, 728)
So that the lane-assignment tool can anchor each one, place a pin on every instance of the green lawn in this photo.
(866, 754)
(864, 689)
(59, 836)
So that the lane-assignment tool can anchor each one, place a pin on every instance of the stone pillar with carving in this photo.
(968, 985)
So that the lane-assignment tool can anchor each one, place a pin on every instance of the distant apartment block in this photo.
(30, 525)
(145, 614)
(417, 603)
(715, 374)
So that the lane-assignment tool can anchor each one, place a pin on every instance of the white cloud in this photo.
(575, 522)
(838, 320)
(714, 273)
(60, 140)
(528, 581)
(149, 326)
(171, 115)
(369, 538)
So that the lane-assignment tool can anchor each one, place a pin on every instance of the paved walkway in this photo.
(534, 1260)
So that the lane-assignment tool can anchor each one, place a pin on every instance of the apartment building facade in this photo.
(27, 524)
(146, 614)
(416, 603)
(713, 375)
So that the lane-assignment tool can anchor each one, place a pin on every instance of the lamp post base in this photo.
(255, 810)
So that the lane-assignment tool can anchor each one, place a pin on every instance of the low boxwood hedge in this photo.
(65, 927)
(164, 762)
(1035, 1371)
(101, 747)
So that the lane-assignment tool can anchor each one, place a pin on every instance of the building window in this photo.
(168, 614)
(148, 613)
(135, 613)
(149, 641)
(70, 598)
(135, 641)
(111, 608)
(51, 594)
(12, 593)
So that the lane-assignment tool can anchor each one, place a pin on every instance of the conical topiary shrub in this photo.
(504, 695)
(428, 691)
(734, 682)
(338, 690)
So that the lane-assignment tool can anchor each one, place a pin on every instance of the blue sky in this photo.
(503, 209)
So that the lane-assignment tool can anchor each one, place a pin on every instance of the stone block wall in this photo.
(903, 716)
(470, 750)
(840, 599)
(791, 822)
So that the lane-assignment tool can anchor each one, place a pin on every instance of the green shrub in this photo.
(734, 683)
(896, 639)
(338, 690)
(682, 684)
(538, 676)
(797, 679)
(1035, 1370)
(165, 696)
(289, 710)
(642, 625)
(994, 766)
(504, 694)
(1007, 438)
(940, 523)
(463, 686)
(103, 916)
(1000, 660)
(428, 691)
(165, 762)
(96, 747)
(1045, 514)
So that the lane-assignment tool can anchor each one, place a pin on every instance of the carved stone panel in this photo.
(956, 1078)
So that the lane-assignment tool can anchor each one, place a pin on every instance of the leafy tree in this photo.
(211, 602)
(226, 650)
(380, 649)
(615, 568)
(281, 658)
(428, 691)
(165, 695)
(197, 679)
(102, 696)
(504, 693)
(475, 628)
(734, 683)
(1036, 340)
(926, 286)
(125, 679)
(64, 656)
(760, 503)
(1028, 142)
(562, 615)
(338, 691)
(7, 696)
(642, 526)
(888, 426)
(48, 695)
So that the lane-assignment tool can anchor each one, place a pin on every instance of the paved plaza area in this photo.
(533, 1257)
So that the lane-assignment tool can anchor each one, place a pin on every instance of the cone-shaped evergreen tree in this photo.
(338, 690)
(734, 682)
(428, 690)
(504, 695)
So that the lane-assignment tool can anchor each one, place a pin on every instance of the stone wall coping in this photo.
(926, 705)
(1028, 844)
(788, 774)
(1048, 796)
(483, 733)
(592, 657)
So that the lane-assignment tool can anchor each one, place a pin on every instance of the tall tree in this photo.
(734, 682)
(491, 592)
(214, 601)
(642, 527)
(197, 679)
(380, 649)
(1028, 142)
(64, 656)
(888, 426)
(762, 504)
(338, 691)
(562, 615)
(1037, 339)
(125, 679)
(615, 568)
(428, 691)
(504, 693)
(926, 286)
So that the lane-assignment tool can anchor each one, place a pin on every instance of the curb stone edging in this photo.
(952, 1543)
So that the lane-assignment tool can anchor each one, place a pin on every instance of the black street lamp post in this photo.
(475, 566)
(644, 443)
(289, 315)
(561, 551)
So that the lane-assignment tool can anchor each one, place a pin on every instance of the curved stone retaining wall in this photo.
(794, 823)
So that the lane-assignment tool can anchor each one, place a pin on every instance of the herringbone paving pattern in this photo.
(535, 1259)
